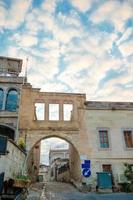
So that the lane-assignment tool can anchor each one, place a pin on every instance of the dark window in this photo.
(12, 100)
(6, 131)
(1, 98)
(107, 168)
(128, 138)
(104, 141)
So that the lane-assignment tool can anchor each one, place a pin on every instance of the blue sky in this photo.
(72, 45)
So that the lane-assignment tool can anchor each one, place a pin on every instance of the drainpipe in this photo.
(17, 128)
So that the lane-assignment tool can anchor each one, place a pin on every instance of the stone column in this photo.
(46, 111)
(61, 111)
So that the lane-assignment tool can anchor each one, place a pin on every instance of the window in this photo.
(67, 108)
(1, 98)
(53, 111)
(39, 111)
(107, 168)
(128, 138)
(104, 140)
(12, 100)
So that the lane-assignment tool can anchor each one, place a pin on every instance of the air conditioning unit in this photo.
(122, 178)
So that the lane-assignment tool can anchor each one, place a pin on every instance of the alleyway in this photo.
(64, 191)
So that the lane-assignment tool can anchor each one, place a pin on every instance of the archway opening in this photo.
(12, 100)
(6, 131)
(54, 159)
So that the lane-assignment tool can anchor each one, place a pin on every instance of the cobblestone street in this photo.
(64, 191)
(35, 192)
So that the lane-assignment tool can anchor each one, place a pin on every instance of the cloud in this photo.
(83, 5)
(12, 17)
(125, 36)
(115, 12)
(25, 40)
(49, 5)
(126, 48)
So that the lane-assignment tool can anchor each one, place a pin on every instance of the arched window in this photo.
(12, 100)
(1, 98)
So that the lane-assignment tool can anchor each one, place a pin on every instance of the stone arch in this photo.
(10, 104)
(74, 160)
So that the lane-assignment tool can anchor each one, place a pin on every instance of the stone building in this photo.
(44, 174)
(109, 128)
(33, 162)
(12, 163)
(10, 94)
(99, 132)
(59, 165)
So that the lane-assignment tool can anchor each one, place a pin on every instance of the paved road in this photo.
(35, 192)
(63, 191)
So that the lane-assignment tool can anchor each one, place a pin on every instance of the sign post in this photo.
(86, 168)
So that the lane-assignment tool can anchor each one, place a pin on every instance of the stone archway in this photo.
(34, 129)
(74, 158)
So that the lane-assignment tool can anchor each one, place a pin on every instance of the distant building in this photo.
(43, 173)
(59, 165)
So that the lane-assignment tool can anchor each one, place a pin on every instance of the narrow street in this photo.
(64, 191)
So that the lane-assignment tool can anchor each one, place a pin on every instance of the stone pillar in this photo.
(61, 111)
(75, 112)
(46, 111)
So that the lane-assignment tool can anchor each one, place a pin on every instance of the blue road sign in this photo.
(86, 171)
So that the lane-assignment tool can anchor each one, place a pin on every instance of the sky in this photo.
(72, 45)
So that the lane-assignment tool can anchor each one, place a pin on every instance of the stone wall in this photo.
(12, 163)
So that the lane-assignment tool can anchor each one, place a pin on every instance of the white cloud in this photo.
(11, 18)
(83, 5)
(49, 5)
(126, 48)
(113, 11)
(125, 36)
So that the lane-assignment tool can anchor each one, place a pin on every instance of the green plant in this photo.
(21, 143)
(23, 178)
(129, 175)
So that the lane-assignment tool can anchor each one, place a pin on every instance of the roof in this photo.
(102, 105)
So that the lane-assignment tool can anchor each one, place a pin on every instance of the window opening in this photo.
(40, 111)
(67, 108)
(12, 100)
(107, 168)
(128, 138)
(54, 112)
(1, 98)
(104, 141)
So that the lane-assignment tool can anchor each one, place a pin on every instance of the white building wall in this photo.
(115, 122)
(12, 163)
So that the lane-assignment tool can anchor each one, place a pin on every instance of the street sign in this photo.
(86, 169)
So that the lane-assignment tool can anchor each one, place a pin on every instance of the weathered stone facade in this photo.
(82, 131)
(101, 132)
(10, 82)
